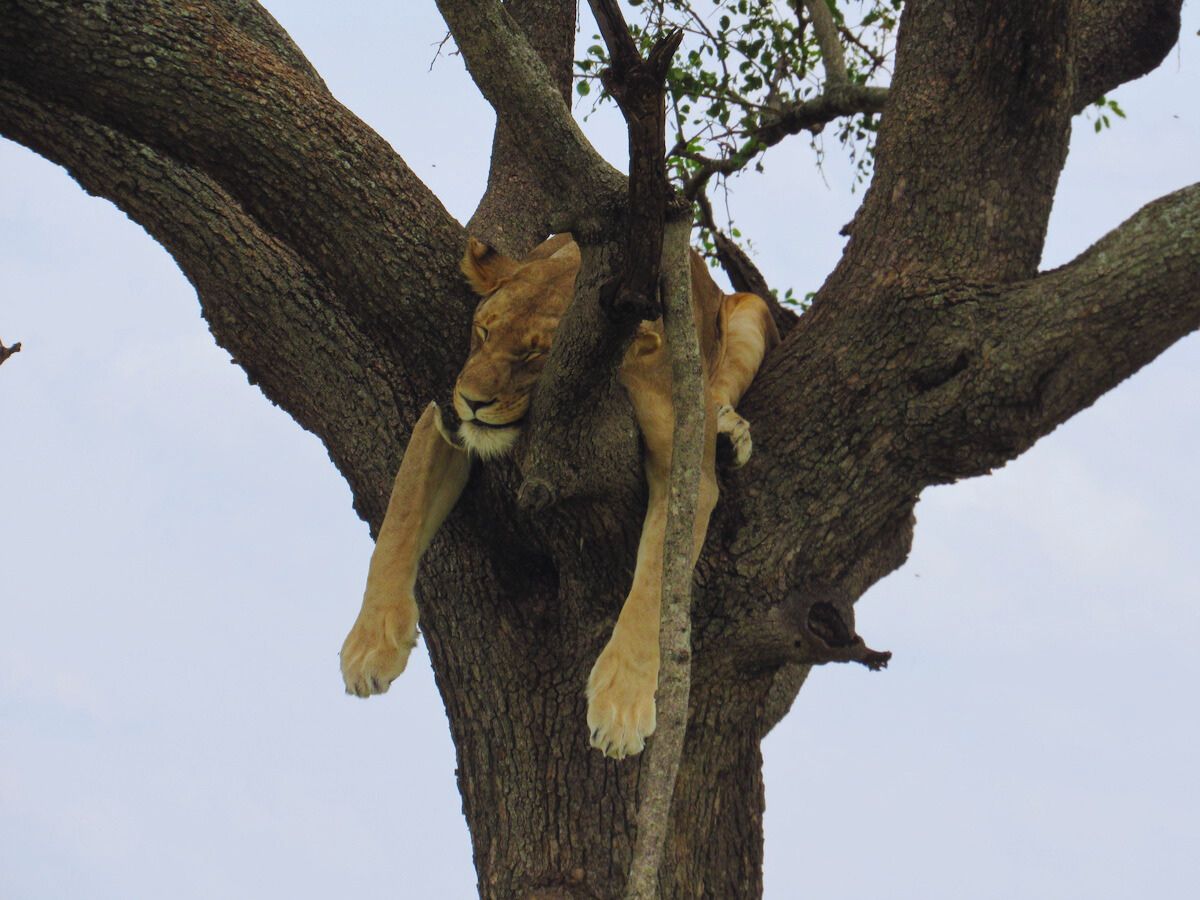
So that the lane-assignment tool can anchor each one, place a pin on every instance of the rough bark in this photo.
(935, 350)
(1118, 41)
(521, 88)
(514, 213)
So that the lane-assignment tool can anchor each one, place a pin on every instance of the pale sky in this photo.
(179, 563)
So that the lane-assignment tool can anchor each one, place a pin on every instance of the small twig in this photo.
(6, 352)
(790, 118)
(878, 60)
(441, 45)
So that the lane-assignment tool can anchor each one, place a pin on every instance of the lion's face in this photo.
(510, 337)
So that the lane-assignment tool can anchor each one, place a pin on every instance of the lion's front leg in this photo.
(431, 478)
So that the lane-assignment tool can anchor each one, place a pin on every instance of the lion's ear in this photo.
(567, 255)
(645, 341)
(484, 267)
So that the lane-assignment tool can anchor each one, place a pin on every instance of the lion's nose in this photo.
(476, 405)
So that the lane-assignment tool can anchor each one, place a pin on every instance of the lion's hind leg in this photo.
(748, 333)
(623, 682)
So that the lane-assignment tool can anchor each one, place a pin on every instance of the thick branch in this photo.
(1022, 361)
(971, 146)
(515, 209)
(976, 131)
(253, 20)
(515, 81)
(1118, 41)
(917, 385)
(578, 413)
(241, 108)
(272, 311)
(593, 335)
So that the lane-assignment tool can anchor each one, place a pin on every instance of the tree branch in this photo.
(223, 102)
(832, 56)
(253, 20)
(788, 119)
(267, 306)
(675, 630)
(1118, 41)
(835, 101)
(743, 274)
(593, 335)
(1016, 363)
(513, 214)
(983, 89)
(515, 81)
(639, 88)
(922, 384)
(657, 255)
(6, 352)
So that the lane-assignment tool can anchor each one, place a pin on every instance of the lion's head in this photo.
(510, 337)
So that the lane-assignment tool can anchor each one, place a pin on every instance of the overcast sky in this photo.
(179, 563)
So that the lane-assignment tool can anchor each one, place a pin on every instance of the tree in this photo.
(952, 363)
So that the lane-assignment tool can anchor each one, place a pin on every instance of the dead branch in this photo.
(658, 226)
(675, 628)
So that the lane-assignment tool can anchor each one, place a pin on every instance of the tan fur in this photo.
(514, 324)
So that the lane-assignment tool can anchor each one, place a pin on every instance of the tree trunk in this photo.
(935, 351)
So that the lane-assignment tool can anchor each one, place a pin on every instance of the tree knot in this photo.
(823, 623)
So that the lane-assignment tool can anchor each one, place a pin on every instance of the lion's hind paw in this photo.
(733, 438)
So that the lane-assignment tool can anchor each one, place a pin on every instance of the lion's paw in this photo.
(620, 703)
(733, 438)
(376, 650)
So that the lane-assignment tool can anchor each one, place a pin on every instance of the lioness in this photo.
(513, 327)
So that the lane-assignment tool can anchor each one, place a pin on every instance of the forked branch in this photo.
(1018, 362)
(515, 81)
